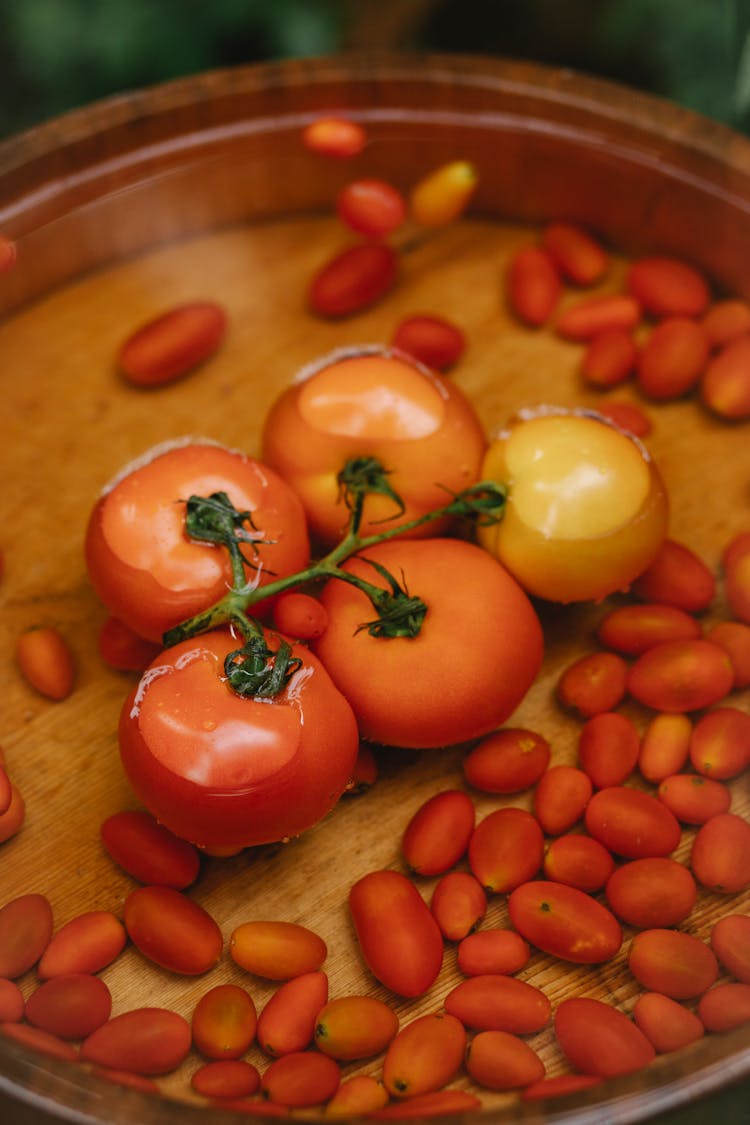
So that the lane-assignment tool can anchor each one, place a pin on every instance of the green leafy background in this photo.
(56, 55)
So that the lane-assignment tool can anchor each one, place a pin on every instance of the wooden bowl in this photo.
(202, 188)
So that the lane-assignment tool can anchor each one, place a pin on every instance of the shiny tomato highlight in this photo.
(586, 509)
(141, 562)
(373, 402)
(226, 771)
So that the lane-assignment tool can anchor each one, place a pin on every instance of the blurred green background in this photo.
(56, 55)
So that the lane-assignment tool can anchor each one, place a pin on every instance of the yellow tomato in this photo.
(586, 508)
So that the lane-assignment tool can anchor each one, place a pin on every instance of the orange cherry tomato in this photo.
(223, 770)
(334, 136)
(142, 563)
(443, 195)
(368, 402)
(586, 509)
(478, 649)
(45, 660)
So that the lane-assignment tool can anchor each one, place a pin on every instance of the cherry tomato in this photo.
(334, 136)
(586, 509)
(371, 207)
(299, 615)
(476, 654)
(223, 770)
(372, 403)
(143, 565)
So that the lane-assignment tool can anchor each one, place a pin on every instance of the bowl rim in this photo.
(563, 86)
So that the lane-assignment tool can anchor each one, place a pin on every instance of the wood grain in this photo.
(201, 189)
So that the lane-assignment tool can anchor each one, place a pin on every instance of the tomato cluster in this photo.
(404, 633)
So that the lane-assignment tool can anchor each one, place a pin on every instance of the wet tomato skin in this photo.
(420, 427)
(140, 562)
(221, 770)
(586, 509)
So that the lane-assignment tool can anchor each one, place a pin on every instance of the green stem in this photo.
(400, 612)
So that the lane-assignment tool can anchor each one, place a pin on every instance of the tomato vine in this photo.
(253, 669)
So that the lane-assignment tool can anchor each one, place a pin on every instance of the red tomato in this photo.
(586, 508)
(142, 563)
(399, 939)
(561, 920)
(371, 207)
(476, 654)
(599, 1039)
(371, 403)
(222, 770)
(432, 340)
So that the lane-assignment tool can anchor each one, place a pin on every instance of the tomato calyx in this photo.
(399, 614)
(214, 519)
(360, 477)
(255, 671)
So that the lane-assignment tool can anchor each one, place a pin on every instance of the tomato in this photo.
(599, 1039)
(399, 939)
(223, 770)
(586, 509)
(371, 207)
(475, 656)
(561, 920)
(140, 559)
(369, 402)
